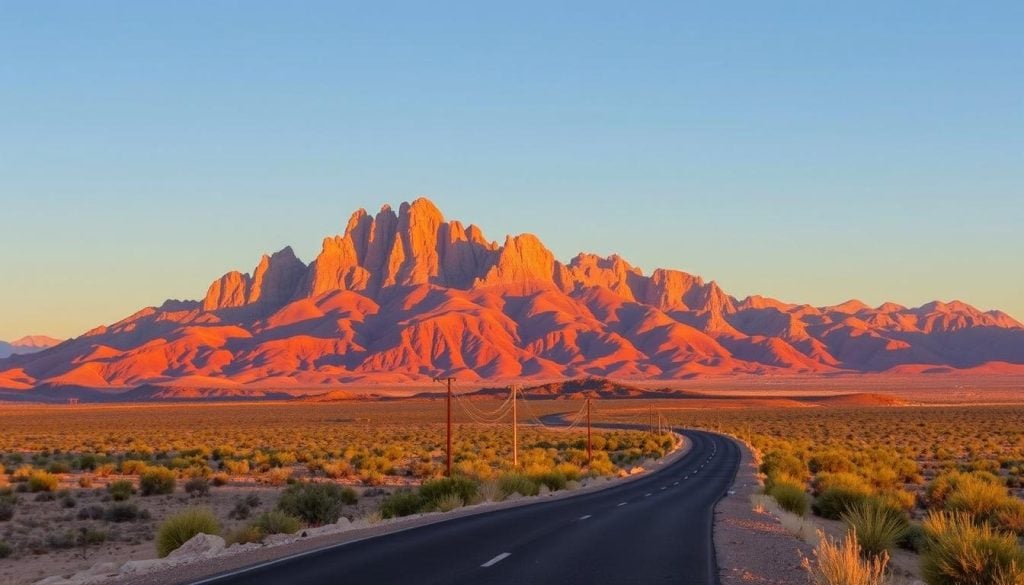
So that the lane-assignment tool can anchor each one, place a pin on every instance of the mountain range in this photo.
(26, 345)
(403, 296)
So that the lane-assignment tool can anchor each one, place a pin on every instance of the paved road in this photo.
(656, 529)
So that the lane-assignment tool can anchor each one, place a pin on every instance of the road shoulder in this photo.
(751, 545)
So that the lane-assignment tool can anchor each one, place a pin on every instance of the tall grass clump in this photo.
(447, 490)
(517, 483)
(841, 563)
(879, 527)
(277, 522)
(959, 551)
(790, 495)
(182, 527)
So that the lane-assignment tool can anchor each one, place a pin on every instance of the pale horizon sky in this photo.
(805, 151)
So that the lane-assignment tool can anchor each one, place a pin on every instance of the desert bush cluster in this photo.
(100, 473)
(945, 482)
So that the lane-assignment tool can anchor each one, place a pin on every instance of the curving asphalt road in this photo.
(656, 529)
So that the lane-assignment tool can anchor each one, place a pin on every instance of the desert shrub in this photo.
(517, 483)
(93, 512)
(959, 551)
(841, 563)
(122, 512)
(939, 489)
(220, 479)
(554, 480)
(337, 469)
(121, 490)
(133, 467)
(277, 476)
(790, 495)
(42, 481)
(243, 507)
(245, 535)
(5, 550)
(449, 502)
(157, 481)
(81, 538)
(197, 487)
(401, 503)
(432, 492)
(783, 463)
(914, 538)
(878, 527)
(86, 462)
(182, 527)
(237, 467)
(316, 503)
(58, 467)
(68, 501)
(1010, 516)
(6, 509)
(837, 492)
(277, 522)
(977, 498)
(490, 491)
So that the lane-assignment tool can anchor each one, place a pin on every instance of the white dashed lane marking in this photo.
(587, 517)
(496, 560)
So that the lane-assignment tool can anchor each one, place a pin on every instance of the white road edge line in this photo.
(495, 560)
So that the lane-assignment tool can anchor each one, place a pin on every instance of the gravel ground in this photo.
(200, 569)
(753, 547)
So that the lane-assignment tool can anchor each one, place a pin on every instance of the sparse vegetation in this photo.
(182, 527)
(316, 503)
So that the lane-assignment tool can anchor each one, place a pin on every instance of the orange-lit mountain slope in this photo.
(403, 296)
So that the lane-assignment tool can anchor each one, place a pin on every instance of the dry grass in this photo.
(840, 562)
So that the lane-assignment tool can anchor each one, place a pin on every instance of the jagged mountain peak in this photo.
(406, 295)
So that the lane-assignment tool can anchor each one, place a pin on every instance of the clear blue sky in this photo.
(807, 151)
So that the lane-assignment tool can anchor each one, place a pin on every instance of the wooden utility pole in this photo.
(448, 401)
(515, 388)
(590, 442)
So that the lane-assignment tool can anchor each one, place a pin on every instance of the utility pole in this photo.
(449, 381)
(590, 442)
(515, 388)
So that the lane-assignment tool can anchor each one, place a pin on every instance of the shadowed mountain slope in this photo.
(403, 296)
